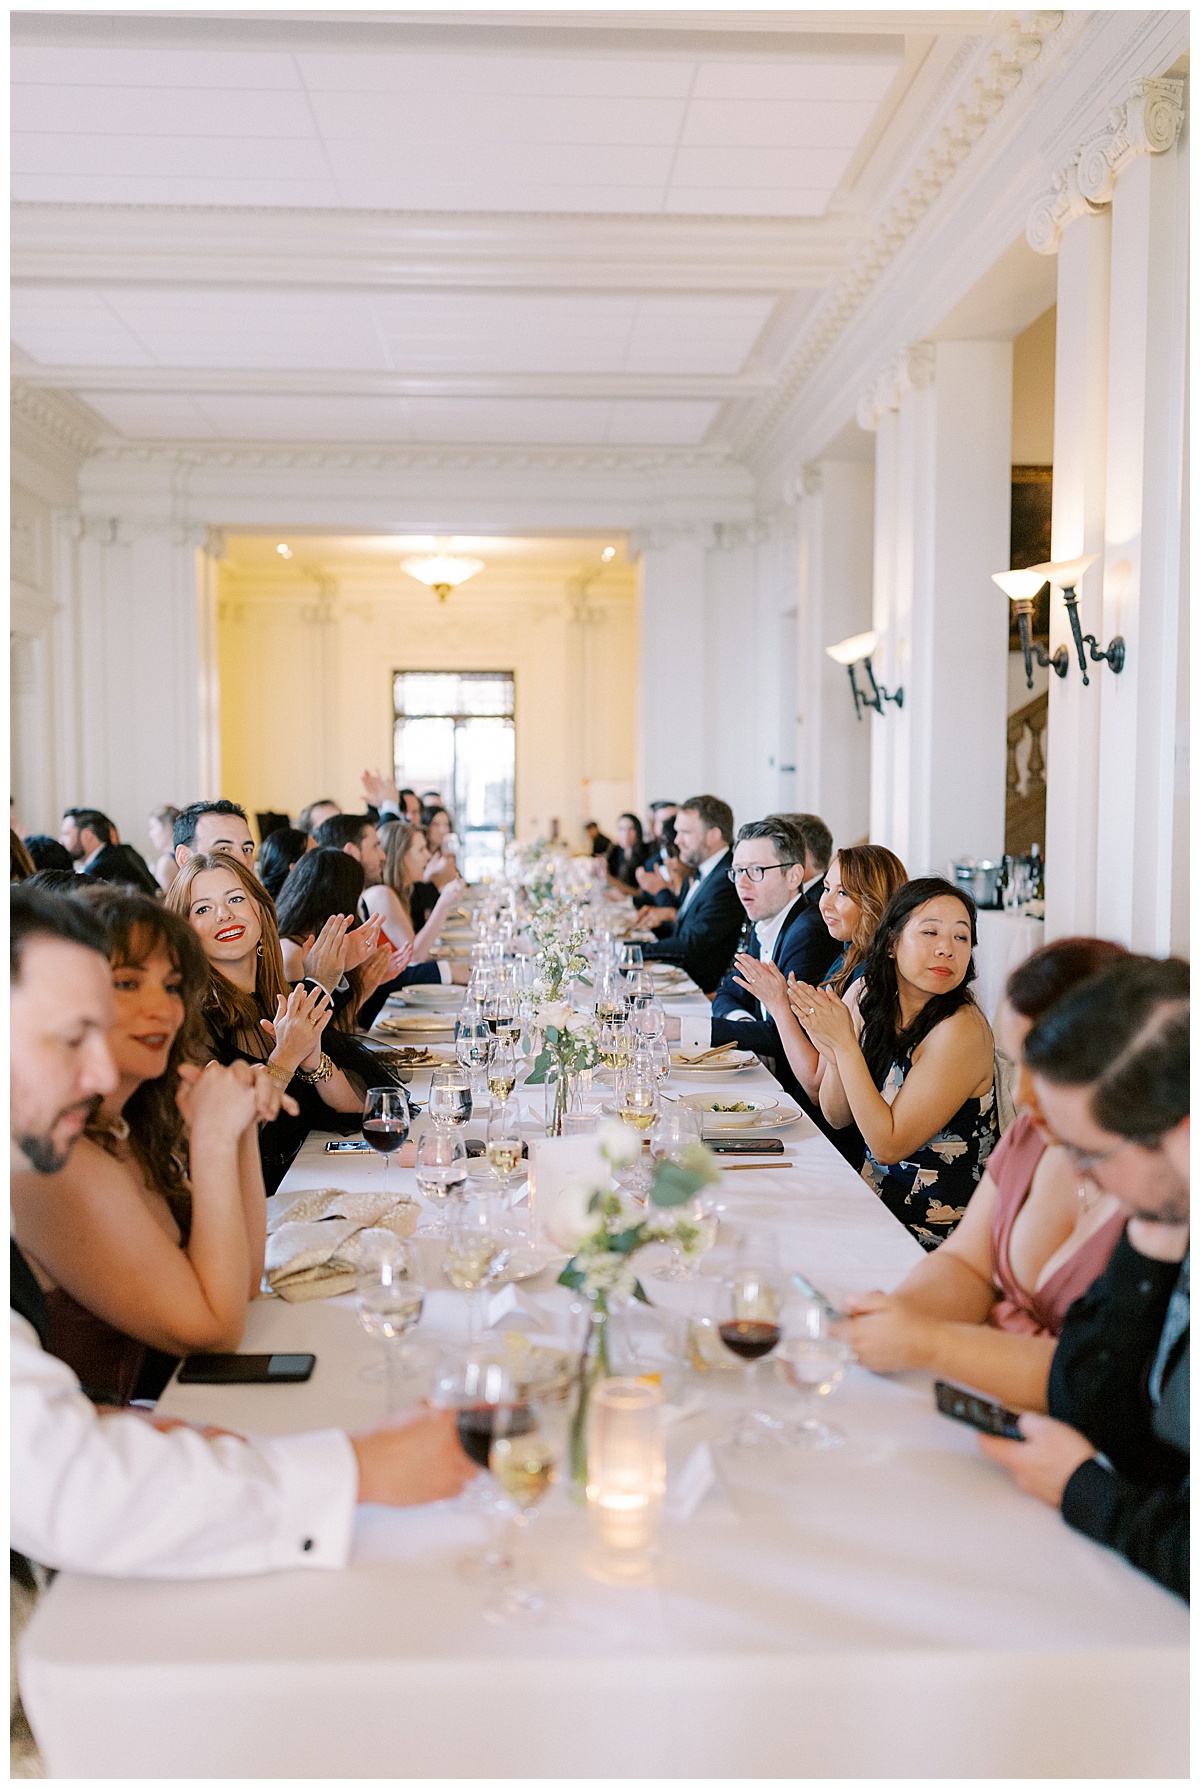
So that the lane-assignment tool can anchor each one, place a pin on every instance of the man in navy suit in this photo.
(704, 931)
(768, 868)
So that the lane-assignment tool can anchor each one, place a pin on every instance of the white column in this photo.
(1137, 835)
(833, 747)
(943, 484)
(1080, 471)
(672, 694)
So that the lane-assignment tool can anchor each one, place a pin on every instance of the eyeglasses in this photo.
(1083, 1159)
(754, 872)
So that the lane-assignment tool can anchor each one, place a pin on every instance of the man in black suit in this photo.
(91, 838)
(704, 931)
(768, 867)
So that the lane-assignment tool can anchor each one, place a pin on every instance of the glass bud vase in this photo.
(562, 1096)
(593, 1364)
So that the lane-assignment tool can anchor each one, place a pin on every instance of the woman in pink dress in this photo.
(986, 1307)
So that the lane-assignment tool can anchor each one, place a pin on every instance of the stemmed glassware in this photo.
(752, 1300)
(502, 1067)
(474, 1244)
(386, 1120)
(504, 1143)
(527, 1447)
(639, 989)
(814, 1363)
(637, 1105)
(629, 956)
(472, 1043)
(389, 1304)
(655, 1054)
(475, 1382)
(441, 1169)
(650, 1019)
(450, 1096)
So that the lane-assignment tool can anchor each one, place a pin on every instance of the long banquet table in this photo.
(891, 1608)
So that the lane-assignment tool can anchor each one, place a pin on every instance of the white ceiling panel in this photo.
(170, 189)
(796, 80)
(444, 122)
(219, 70)
(152, 416)
(533, 77)
(659, 424)
(245, 158)
(161, 111)
(817, 126)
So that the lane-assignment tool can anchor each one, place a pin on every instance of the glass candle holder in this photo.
(627, 1474)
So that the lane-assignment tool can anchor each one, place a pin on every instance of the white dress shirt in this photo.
(710, 863)
(114, 1497)
(695, 1030)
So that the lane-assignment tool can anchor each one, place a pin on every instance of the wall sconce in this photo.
(857, 650)
(1064, 574)
(1021, 587)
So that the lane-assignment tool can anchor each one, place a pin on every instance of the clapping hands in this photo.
(297, 1026)
(824, 1016)
(763, 980)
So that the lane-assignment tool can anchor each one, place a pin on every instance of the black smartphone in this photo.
(342, 1145)
(246, 1369)
(745, 1145)
(978, 1412)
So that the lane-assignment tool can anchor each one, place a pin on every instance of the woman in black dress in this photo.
(628, 855)
(910, 1059)
(255, 1014)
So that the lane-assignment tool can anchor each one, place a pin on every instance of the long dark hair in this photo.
(135, 927)
(884, 1039)
(323, 883)
(276, 855)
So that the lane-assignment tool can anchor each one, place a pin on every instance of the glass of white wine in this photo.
(527, 1447)
(637, 1105)
(441, 1169)
(504, 1143)
(475, 1241)
(502, 1067)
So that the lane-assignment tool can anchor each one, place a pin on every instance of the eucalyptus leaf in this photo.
(571, 1276)
(625, 1241)
(540, 1069)
(674, 1185)
(639, 1292)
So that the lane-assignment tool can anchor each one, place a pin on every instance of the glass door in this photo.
(455, 731)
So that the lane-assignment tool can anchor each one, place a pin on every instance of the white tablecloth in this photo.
(895, 1608)
(1005, 939)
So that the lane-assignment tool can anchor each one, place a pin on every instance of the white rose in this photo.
(620, 1144)
(554, 1013)
(570, 1220)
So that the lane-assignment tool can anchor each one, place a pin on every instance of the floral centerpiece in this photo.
(567, 1050)
(605, 1231)
(559, 952)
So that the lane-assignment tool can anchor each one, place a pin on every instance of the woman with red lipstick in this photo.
(152, 1237)
(910, 1059)
(254, 1015)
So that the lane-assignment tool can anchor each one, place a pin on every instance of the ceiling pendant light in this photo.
(441, 572)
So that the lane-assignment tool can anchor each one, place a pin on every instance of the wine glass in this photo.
(752, 1299)
(475, 1382)
(504, 1142)
(472, 1253)
(655, 1054)
(629, 956)
(450, 1096)
(389, 1304)
(386, 1120)
(441, 1169)
(524, 1458)
(814, 1362)
(677, 1128)
(637, 1105)
(704, 1212)
(650, 1019)
(639, 988)
(614, 1041)
(502, 1067)
(472, 1040)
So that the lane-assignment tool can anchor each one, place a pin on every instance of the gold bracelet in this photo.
(322, 1071)
(277, 1074)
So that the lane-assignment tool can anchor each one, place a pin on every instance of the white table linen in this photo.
(893, 1608)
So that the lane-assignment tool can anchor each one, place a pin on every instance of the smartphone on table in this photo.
(978, 1412)
(246, 1369)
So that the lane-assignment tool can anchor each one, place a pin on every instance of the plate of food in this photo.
(729, 1062)
(721, 1111)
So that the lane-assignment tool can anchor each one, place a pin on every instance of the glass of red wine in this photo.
(476, 1383)
(386, 1121)
(752, 1300)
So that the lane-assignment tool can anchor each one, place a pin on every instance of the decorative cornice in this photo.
(348, 457)
(1013, 52)
(1147, 123)
(912, 370)
(58, 419)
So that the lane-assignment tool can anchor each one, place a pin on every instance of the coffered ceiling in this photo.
(450, 228)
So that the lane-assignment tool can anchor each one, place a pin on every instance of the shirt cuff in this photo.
(739, 1015)
(318, 1477)
(389, 807)
(446, 971)
(695, 1031)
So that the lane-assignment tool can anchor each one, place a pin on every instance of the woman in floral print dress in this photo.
(911, 1060)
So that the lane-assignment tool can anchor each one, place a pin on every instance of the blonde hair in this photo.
(397, 845)
(230, 1005)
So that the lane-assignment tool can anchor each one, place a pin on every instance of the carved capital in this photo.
(1147, 123)
(912, 370)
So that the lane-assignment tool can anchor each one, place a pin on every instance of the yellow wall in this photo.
(306, 663)
(1033, 393)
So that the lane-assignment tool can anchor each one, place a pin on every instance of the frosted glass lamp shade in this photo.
(850, 651)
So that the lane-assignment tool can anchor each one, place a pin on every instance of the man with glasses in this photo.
(768, 868)
(704, 932)
(1110, 1064)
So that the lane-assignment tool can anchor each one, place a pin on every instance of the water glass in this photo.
(389, 1304)
(814, 1363)
(441, 1169)
(473, 1250)
(450, 1096)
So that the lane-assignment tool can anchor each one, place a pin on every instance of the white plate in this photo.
(733, 1064)
(435, 994)
(764, 1121)
(423, 1024)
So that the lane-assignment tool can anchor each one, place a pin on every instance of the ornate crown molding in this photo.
(57, 419)
(912, 370)
(350, 458)
(1016, 49)
(1147, 123)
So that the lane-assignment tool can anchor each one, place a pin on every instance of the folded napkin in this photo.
(716, 1055)
(316, 1236)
